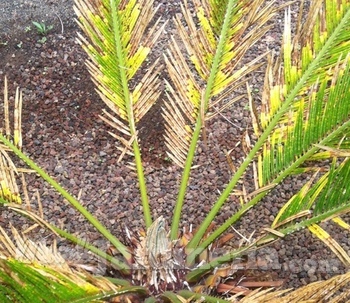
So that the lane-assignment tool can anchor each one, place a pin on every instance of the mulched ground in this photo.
(63, 134)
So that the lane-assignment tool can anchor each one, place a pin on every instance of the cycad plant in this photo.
(300, 126)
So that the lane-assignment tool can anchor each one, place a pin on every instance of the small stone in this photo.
(102, 154)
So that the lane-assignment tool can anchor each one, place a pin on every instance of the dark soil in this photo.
(64, 135)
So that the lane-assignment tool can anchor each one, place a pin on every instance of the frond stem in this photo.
(218, 54)
(124, 268)
(74, 202)
(305, 223)
(129, 110)
(184, 180)
(214, 235)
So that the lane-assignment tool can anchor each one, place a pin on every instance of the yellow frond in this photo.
(341, 223)
(120, 40)
(320, 233)
(215, 48)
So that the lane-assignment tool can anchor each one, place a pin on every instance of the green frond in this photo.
(212, 16)
(217, 47)
(216, 59)
(317, 47)
(31, 283)
(31, 272)
(327, 22)
(318, 116)
(328, 197)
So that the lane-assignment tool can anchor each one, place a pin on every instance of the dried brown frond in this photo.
(333, 290)
(17, 116)
(25, 250)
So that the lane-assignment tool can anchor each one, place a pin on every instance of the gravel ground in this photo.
(62, 133)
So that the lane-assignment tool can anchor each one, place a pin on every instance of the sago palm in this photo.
(301, 125)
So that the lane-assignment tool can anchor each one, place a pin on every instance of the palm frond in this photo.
(23, 282)
(119, 46)
(296, 115)
(9, 191)
(304, 95)
(304, 113)
(327, 198)
(215, 49)
(121, 37)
